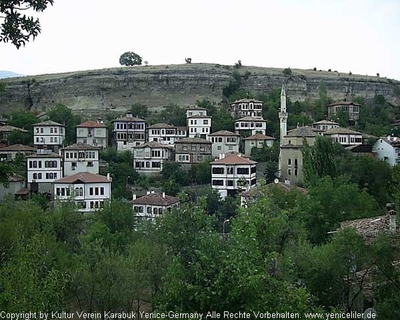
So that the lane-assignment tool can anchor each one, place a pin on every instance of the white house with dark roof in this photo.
(198, 122)
(192, 150)
(48, 134)
(325, 125)
(87, 190)
(246, 108)
(233, 173)
(94, 133)
(344, 136)
(257, 140)
(148, 158)
(43, 168)
(128, 132)
(80, 157)
(248, 126)
(153, 205)
(387, 149)
(162, 133)
(9, 153)
(224, 141)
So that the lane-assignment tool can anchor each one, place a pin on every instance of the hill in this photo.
(96, 92)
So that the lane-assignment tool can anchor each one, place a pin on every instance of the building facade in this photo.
(324, 125)
(350, 108)
(48, 135)
(387, 149)
(192, 150)
(246, 108)
(223, 142)
(128, 132)
(153, 205)
(257, 140)
(88, 191)
(344, 136)
(10, 153)
(248, 126)
(80, 157)
(149, 158)
(94, 133)
(162, 133)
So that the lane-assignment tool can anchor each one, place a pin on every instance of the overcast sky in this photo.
(362, 36)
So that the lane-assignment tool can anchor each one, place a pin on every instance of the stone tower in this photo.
(283, 116)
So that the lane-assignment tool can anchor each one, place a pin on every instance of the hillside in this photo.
(95, 92)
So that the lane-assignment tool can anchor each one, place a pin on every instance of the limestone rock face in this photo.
(97, 92)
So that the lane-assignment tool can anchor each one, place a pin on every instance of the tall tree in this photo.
(130, 59)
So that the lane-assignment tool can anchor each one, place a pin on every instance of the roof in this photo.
(153, 144)
(16, 178)
(129, 119)
(193, 140)
(91, 124)
(360, 148)
(156, 199)
(223, 133)
(83, 177)
(22, 191)
(251, 119)
(341, 131)
(10, 128)
(259, 136)
(232, 158)
(195, 108)
(199, 116)
(245, 100)
(42, 153)
(48, 123)
(18, 147)
(81, 146)
(344, 103)
(161, 126)
(325, 122)
(304, 131)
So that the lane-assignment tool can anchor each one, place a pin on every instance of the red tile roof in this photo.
(91, 124)
(231, 158)
(156, 199)
(84, 177)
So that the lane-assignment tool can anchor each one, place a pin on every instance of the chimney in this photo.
(108, 176)
(152, 191)
(148, 192)
(163, 194)
(133, 196)
(390, 207)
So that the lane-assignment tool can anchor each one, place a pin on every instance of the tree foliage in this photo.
(16, 27)
(130, 59)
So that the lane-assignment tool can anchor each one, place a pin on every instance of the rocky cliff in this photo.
(97, 91)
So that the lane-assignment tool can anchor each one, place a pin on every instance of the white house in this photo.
(344, 136)
(387, 149)
(128, 132)
(248, 126)
(223, 142)
(48, 134)
(162, 133)
(325, 125)
(80, 157)
(199, 123)
(257, 140)
(153, 204)
(148, 158)
(43, 168)
(9, 153)
(232, 174)
(87, 190)
(94, 133)
(246, 108)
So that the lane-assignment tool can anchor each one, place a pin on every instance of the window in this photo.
(90, 164)
(229, 183)
(39, 175)
(242, 171)
(96, 191)
(229, 170)
(218, 170)
(289, 172)
(205, 121)
(102, 191)
(91, 191)
(289, 162)
(218, 182)
(148, 210)
(253, 169)
(51, 130)
(34, 176)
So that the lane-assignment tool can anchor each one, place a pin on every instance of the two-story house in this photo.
(148, 158)
(198, 122)
(153, 205)
(162, 133)
(48, 135)
(387, 149)
(5, 132)
(344, 136)
(80, 157)
(94, 133)
(324, 125)
(192, 150)
(257, 140)
(10, 153)
(128, 132)
(246, 108)
(350, 108)
(88, 191)
(248, 126)
(43, 168)
(224, 141)
(291, 156)
(233, 173)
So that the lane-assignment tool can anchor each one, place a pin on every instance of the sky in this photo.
(361, 36)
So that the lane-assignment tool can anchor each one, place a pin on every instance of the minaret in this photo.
(283, 116)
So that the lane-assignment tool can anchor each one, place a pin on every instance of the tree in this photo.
(17, 28)
(139, 110)
(287, 72)
(130, 59)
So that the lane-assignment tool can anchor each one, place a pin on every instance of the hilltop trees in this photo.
(130, 58)
(17, 28)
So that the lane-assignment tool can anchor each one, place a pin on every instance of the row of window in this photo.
(249, 124)
(194, 122)
(52, 130)
(80, 155)
(204, 130)
(147, 164)
(231, 170)
(163, 132)
(289, 162)
(197, 113)
(289, 172)
(130, 126)
(49, 175)
(42, 140)
(47, 164)
(193, 148)
(345, 140)
(150, 210)
(96, 191)
(130, 136)
(231, 183)
(250, 106)
(220, 139)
